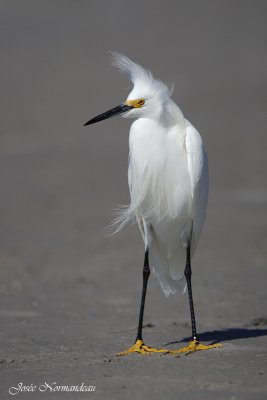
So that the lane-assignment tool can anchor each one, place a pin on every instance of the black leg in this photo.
(188, 274)
(146, 273)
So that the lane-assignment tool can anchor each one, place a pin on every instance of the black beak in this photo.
(122, 108)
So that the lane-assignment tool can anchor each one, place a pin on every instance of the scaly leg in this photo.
(139, 346)
(194, 344)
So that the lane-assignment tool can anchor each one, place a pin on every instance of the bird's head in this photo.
(147, 97)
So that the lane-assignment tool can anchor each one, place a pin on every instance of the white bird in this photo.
(168, 182)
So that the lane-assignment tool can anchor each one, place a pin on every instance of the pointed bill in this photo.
(121, 109)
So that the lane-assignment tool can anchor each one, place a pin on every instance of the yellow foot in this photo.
(193, 346)
(140, 347)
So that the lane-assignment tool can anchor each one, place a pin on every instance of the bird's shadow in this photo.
(225, 335)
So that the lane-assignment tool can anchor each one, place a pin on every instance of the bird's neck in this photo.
(171, 115)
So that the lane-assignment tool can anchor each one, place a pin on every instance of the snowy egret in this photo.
(168, 182)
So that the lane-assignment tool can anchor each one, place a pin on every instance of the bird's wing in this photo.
(199, 179)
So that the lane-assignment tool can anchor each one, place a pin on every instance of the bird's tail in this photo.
(168, 270)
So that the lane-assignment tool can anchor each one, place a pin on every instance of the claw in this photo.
(193, 346)
(140, 347)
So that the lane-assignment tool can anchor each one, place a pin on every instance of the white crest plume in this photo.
(140, 76)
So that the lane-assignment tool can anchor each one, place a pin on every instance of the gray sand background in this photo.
(69, 294)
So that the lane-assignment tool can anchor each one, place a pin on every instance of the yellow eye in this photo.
(135, 103)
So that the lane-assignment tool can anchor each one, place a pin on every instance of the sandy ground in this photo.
(69, 294)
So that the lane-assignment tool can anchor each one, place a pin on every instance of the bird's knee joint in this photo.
(146, 272)
(188, 271)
